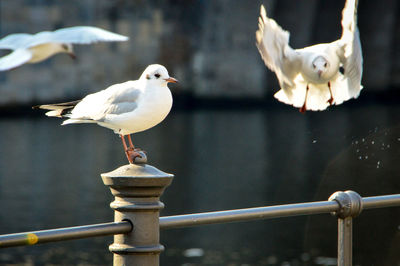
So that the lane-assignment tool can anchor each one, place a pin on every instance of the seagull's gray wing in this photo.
(15, 41)
(15, 59)
(351, 52)
(78, 35)
(117, 99)
(273, 45)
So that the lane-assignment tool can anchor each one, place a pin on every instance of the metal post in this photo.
(350, 204)
(137, 189)
(345, 240)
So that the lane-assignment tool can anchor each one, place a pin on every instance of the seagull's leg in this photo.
(330, 101)
(126, 149)
(130, 142)
(304, 107)
(133, 147)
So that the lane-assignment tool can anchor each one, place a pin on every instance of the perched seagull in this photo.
(126, 108)
(317, 76)
(35, 48)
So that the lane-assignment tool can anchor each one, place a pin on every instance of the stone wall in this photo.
(207, 44)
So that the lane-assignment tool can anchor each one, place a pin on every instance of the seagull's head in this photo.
(157, 74)
(320, 65)
(67, 48)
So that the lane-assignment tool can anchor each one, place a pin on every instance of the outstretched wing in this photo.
(78, 35)
(351, 52)
(15, 41)
(15, 59)
(273, 45)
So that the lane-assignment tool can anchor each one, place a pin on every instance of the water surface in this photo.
(222, 159)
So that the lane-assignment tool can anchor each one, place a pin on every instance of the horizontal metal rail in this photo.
(52, 235)
(260, 213)
(187, 220)
(381, 201)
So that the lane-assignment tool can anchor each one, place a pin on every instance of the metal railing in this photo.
(136, 230)
(61, 234)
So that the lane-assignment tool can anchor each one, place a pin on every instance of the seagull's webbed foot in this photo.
(132, 154)
(130, 151)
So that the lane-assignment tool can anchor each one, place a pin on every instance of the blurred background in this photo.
(229, 143)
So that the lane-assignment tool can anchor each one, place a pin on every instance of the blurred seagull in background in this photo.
(28, 48)
(317, 76)
(126, 108)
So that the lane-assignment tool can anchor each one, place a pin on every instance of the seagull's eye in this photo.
(313, 65)
(326, 64)
(157, 75)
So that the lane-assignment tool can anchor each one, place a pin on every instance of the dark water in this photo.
(222, 159)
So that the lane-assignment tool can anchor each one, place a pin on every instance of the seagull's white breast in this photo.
(153, 106)
(44, 51)
(325, 50)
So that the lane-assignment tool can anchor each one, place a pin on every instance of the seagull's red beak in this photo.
(319, 73)
(72, 55)
(171, 79)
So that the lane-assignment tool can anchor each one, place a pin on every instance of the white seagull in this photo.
(317, 76)
(126, 108)
(28, 48)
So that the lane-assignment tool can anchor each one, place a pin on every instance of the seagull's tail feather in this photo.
(58, 109)
(77, 121)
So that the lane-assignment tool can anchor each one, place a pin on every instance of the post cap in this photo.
(135, 180)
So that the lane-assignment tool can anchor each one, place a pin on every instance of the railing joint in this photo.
(350, 203)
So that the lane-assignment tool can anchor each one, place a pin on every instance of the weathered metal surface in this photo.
(60, 234)
(137, 189)
(350, 203)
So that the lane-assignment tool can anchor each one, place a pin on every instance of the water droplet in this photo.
(358, 150)
(359, 157)
(356, 142)
(372, 142)
(366, 157)
(363, 140)
(388, 146)
(314, 141)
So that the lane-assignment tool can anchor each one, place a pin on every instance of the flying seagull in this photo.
(126, 108)
(28, 48)
(314, 77)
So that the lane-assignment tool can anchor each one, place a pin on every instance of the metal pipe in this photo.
(298, 209)
(381, 201)
(248, 214)
(52, 235)
(345, 241)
